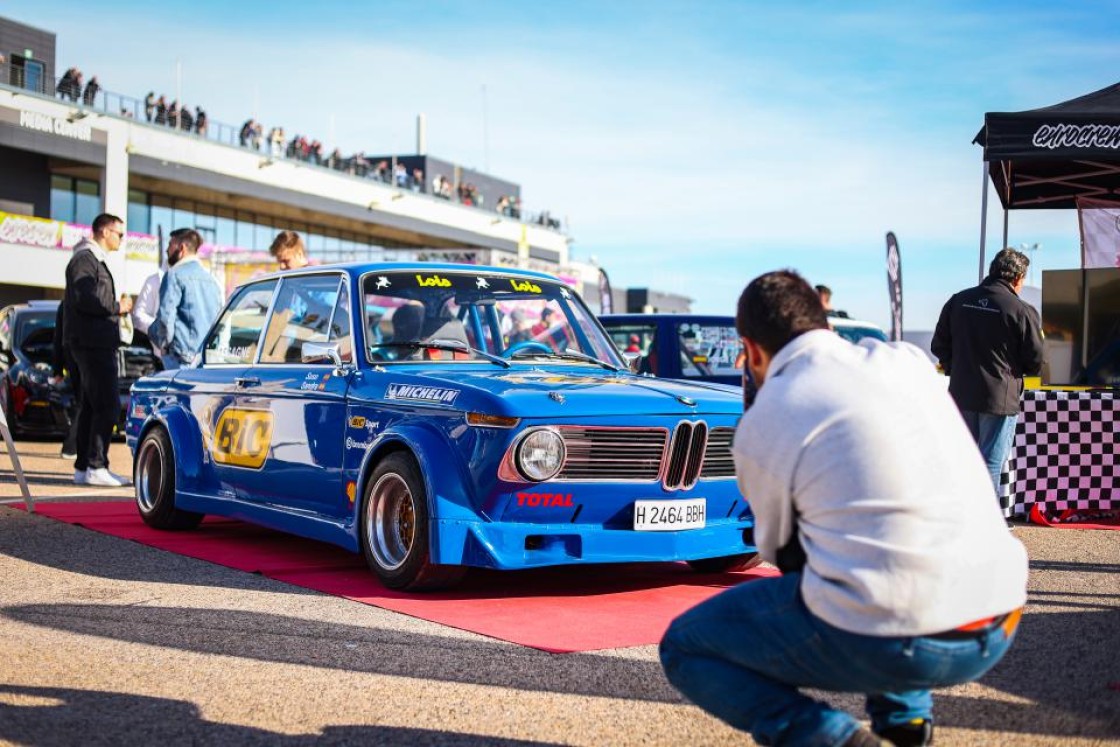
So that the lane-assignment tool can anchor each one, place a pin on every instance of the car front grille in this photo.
(648, 454)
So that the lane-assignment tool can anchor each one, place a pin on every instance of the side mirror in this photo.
(321, 352)
(633, 361)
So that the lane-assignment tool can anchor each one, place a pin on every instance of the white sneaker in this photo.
(105, 478)
(81, 477)
(70, 455)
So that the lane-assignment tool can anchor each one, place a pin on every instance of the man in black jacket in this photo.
(987, 340)
(92, 331)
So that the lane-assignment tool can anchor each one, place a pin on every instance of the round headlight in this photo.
(540, 455)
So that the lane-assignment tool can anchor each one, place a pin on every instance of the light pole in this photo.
(1030, 249)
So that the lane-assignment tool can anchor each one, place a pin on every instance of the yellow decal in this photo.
(525, 286)
(434, 281)
(242, 437)
(357, 421)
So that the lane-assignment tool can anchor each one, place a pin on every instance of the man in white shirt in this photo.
(869, 494)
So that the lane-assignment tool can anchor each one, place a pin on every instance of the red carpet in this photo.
(1076, 518)
(573, 608)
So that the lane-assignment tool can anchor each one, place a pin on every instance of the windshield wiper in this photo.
(452, 345)
(568, 354)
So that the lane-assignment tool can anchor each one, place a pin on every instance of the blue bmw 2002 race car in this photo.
(433, 417)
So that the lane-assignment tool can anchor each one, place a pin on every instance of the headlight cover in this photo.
(540, 455)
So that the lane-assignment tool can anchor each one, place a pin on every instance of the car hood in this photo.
(552, 391)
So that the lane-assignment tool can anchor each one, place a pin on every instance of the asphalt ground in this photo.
(105, 641)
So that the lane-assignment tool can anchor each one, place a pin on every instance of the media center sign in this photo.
(55, 125)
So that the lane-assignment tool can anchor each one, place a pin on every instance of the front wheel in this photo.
(154, 478)
(395, 529)
(727, 563)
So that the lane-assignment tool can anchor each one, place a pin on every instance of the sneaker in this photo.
(105, 478)
(68, 455)
(917, 733)
(81, 477)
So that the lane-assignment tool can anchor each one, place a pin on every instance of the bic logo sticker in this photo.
(434, 281)
(525, 286)
(242, 437)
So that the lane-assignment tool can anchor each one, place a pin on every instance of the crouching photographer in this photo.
(899, 574)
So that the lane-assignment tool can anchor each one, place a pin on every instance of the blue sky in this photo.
(691, 146)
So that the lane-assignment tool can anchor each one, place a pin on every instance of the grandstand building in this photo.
(65, 157)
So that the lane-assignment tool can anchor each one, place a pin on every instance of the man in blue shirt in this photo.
(189, 301)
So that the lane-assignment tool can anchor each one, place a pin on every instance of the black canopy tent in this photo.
(1047, 158)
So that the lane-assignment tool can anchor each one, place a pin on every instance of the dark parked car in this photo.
(692, 347)
(34, 403)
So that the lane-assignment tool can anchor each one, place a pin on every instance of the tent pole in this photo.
(1004, 244)
(983, 215)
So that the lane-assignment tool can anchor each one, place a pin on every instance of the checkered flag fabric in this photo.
(1064, 455)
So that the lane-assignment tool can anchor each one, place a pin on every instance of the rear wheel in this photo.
(154, 477)
(395, 529)
(727, 563)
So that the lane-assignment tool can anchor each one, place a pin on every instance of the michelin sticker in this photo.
(412, 393)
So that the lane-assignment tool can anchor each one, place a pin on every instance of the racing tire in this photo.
(726, 564)
(394, 529)
(153, 474)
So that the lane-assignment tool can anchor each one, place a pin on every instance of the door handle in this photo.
(247, 381)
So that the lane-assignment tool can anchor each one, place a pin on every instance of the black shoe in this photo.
(917, 733)
(864, 738)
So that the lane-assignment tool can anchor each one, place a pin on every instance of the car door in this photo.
(212, 389)
(295, 380)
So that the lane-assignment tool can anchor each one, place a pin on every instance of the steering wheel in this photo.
(517, 347)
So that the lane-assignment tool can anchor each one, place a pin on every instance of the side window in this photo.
(234, 339)
(708, 349)
(340, 325)
(302, 313)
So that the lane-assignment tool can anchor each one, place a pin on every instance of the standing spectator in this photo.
(545, 322)
(276, 142)
(173, 114)
(201, 123)
(186, 119)
(92, 331)
(289, 251)
(64, 83)
(335, 160)
(76, 86)
(189, 301)
(161, 110)
(400, 175)
(417, 184)
(258, 133)
(987, 339)
(246, 133)
(64, 366)
(897, 575)
(89, 96)
(150, 105)
(825, 294)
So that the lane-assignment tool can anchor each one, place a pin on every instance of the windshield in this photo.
(467, 316)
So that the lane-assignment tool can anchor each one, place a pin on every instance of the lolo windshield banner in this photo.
(894, 286)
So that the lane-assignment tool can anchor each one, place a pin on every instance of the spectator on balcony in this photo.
(417, 184)
(90, 94)
(70, 85)
(186, 119)
(335, 160)
(382, 172)
(276, 142)
(150, 105)
(161, 110)
(400, 175)
(201, 123)
(173, 114)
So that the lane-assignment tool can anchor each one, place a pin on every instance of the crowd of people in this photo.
(277, 144)
(70, 86)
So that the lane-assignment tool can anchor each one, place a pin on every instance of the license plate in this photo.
(669, 516)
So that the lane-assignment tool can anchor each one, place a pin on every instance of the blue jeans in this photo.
(742, 655)
(994, 434)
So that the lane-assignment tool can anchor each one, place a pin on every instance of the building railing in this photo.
(257, 140)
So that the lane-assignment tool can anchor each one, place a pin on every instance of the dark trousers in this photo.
(70, 443)
(99, 407)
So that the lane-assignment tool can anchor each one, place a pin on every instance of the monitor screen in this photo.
(1081, 324)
